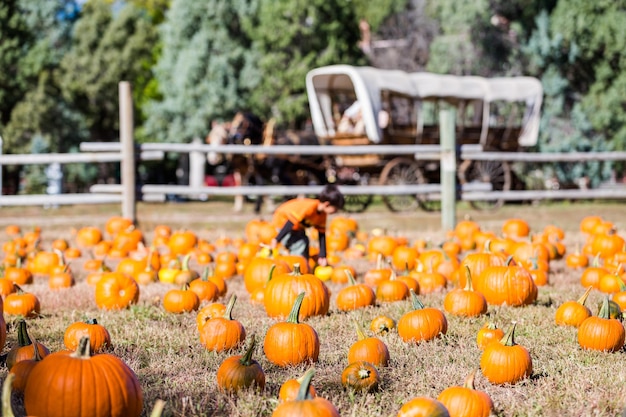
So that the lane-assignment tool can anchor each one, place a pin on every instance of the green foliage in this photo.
(375, 12)
(289, 39)
(203, 55)
(15, 39)
(107, 49)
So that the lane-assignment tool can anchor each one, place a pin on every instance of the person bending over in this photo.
(293, 217)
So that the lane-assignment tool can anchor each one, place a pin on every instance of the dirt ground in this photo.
(218, 217)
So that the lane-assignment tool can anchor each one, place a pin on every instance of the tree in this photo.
(204, 52)
(14, 40)
(291, 37)
(107, 49)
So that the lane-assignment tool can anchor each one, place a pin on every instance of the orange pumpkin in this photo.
(573, 313)
(240, 372)
(99, 337)
(601, 332)
(289, 389)
(219, 334)
(368, 349)
(423, 407)
(489, 333)
(506, 362)
(305, 404)
(116, 291)
(466, 401)
(355, 295)
(421, 324)
(181, 300)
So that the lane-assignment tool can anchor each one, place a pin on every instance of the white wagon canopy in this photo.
(398, 107)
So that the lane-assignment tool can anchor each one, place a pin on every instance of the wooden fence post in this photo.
(197, 162)
(447, 125)
(129, 209)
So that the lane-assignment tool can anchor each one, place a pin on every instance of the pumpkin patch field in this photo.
(516, 312)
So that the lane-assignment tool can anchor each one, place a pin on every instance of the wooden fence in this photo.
(447, 153)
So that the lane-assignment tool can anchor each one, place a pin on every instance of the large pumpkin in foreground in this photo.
(80, 385)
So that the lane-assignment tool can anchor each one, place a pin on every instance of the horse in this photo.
(248, 129)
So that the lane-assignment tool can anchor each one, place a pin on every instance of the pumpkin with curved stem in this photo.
(305, 404)
(611, 282)
(423, 407)
(289, 389)
(465, 302)
(282, 290)
(241, 372)
(511, 285)
(290, 342)
(181, 300)
(223, 333)
(205, 289)
(116, 291)
(25, 348)
(382, 324)
(601, 332)
(379, 273)
(61, 279)
(466, 401)
(99, 337)
(368, 349)
(573, 313)
(21, 303)
(479, 261)
(23, 368)
(422, 323)
(506, 362)
(392, 289)
(360, 376)
(209, 311)
(489, 333)
(355, 295)
(56, 386)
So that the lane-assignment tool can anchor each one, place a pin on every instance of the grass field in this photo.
(164, 349)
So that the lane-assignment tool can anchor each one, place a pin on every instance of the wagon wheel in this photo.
(401, 171)
(497, 173)
(357, 203)
(430, 202)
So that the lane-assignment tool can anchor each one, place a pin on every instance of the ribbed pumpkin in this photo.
(283, 289)
(258, 271)
(99, 337)
(465, 302)
(25, 348)
(355, 295)
(21, 303)
(181, 300)
(511, 285)
(423, 407)
(116, 291)
(601, 332)
(80, 385)
(368, 349)
(466, 401)
(290, 342)
(289, 389)
(489, 333)
(241, 372)
(23, 368)
(306, 405)
(573, 313)
(506, 362)
(382, 324)
(360, 376)
(208, 312)
(223, 333)
(421, 324)
(477, 262)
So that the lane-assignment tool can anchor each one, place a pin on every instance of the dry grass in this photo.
(164, 349)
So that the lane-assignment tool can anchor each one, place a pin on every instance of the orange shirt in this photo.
(302, 212)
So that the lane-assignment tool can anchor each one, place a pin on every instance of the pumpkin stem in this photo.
(417, 304)
(303, 392)
(36, 355)
(469, 381)
(510, 261)
(605, 311)
(246, 359)
(23, 339)
(379, 261)
(270, 275)
(205, 274)
(359, 330)
(7, 410)
(350, 277)
(509, 337)
(229, 307)
(469, 286)
(296, 270)
(185, 263)
(295, 310)
(157, 410)
(583, 298)
(83, 350)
